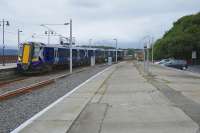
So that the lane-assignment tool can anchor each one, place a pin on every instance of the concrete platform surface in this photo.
(127, 103)
(181, 87)
(185, 82)
(7, 71)
(60, 115)
(117, 100)
(8, 66)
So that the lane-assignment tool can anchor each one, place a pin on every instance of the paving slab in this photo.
(7, 71)
(146, 119)
(133, 106)
(59, 116)
(119, 100)
(91, 117)
(40, 126)
(8, 66)
(65, 110)
(181, 87)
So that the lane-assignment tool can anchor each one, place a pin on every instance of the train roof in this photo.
(61, 46)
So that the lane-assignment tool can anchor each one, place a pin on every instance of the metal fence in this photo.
(8, 59)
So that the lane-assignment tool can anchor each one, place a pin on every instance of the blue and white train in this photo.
(38, 57)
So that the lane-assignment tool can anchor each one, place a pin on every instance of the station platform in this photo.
(116, 100)
(8, 66)
(7, 71)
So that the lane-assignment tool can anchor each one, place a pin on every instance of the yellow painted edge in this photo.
(26, 54)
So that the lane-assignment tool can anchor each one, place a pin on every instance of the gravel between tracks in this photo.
(15, 111)
(29, 80)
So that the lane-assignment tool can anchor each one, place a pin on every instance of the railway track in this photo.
(26, 89)
(17, 109)
(19, 77)
(3, 83)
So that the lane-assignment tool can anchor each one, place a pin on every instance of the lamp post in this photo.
(70, 45)
(152, 45)
(48, 32)
(145, 57)
(90, 43)
(68, 23)
(4, 22)
(70, 64)
(48, 36)
(147, 41)
(115, 50)
(18, 39)
(148, 56)
(18, 36)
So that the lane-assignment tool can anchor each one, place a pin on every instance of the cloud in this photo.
(85, 3)
(127, 20)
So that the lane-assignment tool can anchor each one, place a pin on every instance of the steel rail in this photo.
(3, 83)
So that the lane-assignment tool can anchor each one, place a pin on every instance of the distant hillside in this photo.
(9, 52)
(98, 46)
(181, 39)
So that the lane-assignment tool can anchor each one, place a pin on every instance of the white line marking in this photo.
(29, 121)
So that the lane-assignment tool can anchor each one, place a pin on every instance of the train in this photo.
(36, 57)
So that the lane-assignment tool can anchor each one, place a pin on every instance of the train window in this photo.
(74, 53)
(86, 53)
(102, 53)
(78, 53)
(36, 52)
(62, 53)
(48, 54)
(68, 52)
(20, 50)
(109, 53)
(82, 53)
(90, 53)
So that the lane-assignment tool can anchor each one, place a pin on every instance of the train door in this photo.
(87, 56)
(26, 54)
(78, 54)
(87, 53)
(82, 54)
(20, 53)
(75, 57)
(56, 57)
(49, 54)
(36, 53)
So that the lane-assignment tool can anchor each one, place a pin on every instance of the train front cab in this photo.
(28, 57)
(24, 56)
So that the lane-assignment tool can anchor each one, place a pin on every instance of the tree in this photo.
(180, 40)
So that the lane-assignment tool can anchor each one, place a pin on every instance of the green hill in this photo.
(180, 40)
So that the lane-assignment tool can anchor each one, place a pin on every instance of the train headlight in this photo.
(19, 59)
(35, 59)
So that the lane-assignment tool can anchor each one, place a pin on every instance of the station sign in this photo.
(194, 54)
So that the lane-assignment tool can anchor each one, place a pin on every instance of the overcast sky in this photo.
(102, 20)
